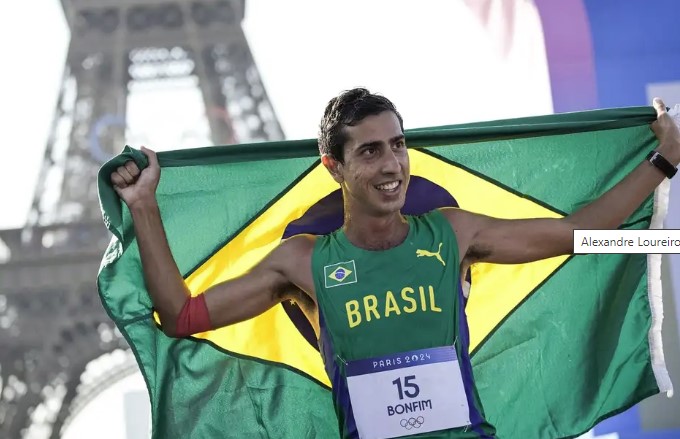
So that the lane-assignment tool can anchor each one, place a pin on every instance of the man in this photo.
(394, 343)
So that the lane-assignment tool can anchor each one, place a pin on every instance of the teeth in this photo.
(388, 186)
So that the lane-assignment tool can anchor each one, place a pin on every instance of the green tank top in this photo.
(377, 303)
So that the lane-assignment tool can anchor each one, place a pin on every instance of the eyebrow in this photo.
(376, 143)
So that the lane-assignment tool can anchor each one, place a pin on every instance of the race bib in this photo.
(407, 393)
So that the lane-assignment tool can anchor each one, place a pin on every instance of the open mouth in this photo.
(392, 186)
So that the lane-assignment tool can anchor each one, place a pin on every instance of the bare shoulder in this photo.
(465, 224)
(449, 213)
(457, 217)
(291, 252)
(298, 245)
(293, 258)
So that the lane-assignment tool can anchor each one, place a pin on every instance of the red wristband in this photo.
(193, 318)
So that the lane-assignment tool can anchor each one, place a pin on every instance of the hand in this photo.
(135, 186)
(665, 128)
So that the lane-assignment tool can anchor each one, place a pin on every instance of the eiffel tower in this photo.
(52, 324)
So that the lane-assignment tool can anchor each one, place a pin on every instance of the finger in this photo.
(118, 181)
(132, 168)
(659, 106)
(125, 174)
(151, 155)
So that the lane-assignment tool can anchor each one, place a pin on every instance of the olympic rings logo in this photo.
(412, 422)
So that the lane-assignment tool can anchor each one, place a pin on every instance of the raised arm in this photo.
(242, 298)
(485, 239)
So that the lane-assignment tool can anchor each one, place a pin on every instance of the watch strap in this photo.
(656, 159)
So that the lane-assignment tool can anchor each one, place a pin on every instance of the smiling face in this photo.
(375, 172)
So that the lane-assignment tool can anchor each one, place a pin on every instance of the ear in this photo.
(333, 166)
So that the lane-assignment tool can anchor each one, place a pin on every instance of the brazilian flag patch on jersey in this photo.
(342, 273)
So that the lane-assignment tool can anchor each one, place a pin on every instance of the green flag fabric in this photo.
(556, 345)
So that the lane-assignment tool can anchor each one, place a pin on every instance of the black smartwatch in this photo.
(655, 158)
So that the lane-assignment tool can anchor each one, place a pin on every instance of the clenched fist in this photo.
(135, 186)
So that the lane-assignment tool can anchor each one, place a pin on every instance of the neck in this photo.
(375, 232)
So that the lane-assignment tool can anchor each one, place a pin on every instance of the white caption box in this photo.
(657, 241)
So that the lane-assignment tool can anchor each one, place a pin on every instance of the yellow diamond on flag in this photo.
(496, 289)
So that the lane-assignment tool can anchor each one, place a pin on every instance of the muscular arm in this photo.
(285, 274)
(485, 239)
(274, 279)
(162, 277)
(247, 296)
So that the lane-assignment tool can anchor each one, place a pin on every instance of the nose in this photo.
(390, 163)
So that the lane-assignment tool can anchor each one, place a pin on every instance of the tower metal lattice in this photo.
(52, 323)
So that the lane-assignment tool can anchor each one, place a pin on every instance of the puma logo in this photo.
(429, 254)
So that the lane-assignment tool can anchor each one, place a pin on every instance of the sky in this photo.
(434, 59)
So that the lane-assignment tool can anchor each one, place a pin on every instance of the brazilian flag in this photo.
(557, 345)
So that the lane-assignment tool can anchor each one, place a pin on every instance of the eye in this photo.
(368, 151)
(400, 144)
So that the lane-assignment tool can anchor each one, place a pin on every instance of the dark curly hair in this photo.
(348, 109)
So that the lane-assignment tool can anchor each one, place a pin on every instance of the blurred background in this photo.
(82, 78)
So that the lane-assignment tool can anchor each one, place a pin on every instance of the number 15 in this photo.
(409, 382)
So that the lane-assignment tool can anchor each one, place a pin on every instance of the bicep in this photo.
(278, 277)
(523, 240)
(511, 241)
(247, 296)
